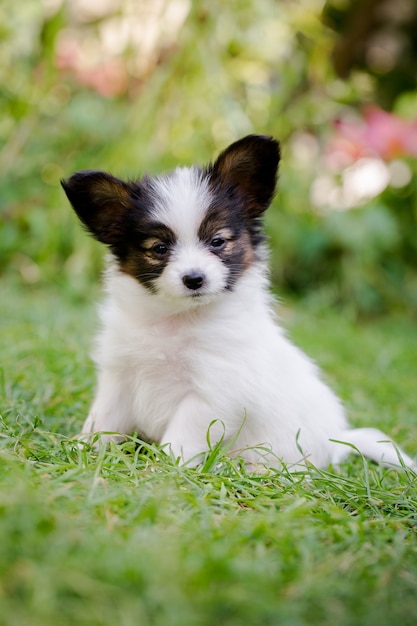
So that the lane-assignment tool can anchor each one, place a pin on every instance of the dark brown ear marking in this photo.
(102, 202)
(251, 165)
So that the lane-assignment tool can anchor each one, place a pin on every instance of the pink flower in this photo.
(108, 77)
(378, 134)
(389, 135)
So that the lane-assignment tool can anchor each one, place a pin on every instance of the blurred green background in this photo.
(135, 86)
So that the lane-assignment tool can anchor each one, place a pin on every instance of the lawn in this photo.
(127, 537)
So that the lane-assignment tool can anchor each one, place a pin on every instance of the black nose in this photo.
(193, 280)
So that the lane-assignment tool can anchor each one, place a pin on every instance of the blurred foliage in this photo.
(137, 86)
(379, 38)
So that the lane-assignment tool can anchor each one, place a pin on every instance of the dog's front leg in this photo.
(109, 414)
(190, 429)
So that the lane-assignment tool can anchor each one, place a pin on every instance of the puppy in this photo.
(190, 348)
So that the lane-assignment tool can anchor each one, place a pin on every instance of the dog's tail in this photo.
(372, 443)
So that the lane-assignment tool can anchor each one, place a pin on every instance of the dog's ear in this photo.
(102, 202)
(251, 165)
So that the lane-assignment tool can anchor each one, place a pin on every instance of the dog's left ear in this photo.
(251, 165)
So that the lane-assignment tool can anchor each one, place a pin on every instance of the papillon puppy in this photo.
(190, 348)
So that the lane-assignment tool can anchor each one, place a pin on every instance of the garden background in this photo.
(136, 86)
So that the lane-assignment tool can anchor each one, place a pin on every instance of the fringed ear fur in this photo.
(251, 165)
(102, 202)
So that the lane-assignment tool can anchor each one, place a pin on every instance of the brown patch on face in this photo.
(142, 268)
(237, 255)
(150, 247)
(148, 254)
(225, 234)
(243, 245)
(236, 246)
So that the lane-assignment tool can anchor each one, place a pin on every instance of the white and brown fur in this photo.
(189, 336)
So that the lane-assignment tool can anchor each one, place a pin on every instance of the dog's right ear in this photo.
(102, 202)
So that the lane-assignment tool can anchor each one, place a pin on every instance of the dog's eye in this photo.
(160, 249)
(218, 243)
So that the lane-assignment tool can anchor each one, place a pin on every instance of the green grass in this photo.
(127, 537)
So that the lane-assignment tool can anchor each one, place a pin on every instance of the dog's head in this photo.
(189, 234)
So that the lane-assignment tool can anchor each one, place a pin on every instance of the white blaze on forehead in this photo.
(181, 201)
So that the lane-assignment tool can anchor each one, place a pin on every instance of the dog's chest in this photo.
(169, 348)
(153, 354)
